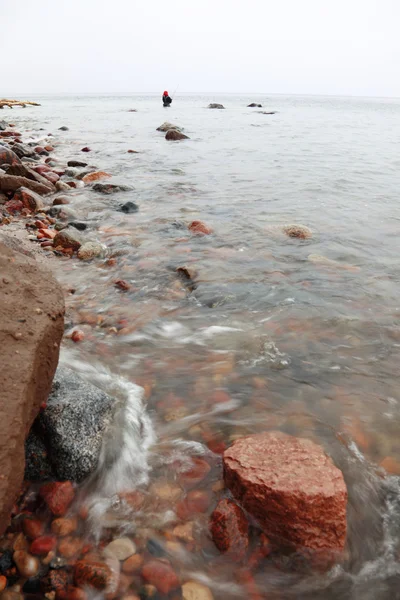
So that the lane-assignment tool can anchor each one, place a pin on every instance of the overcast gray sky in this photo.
(349, 47)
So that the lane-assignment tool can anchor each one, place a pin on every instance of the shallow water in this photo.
(299, 335)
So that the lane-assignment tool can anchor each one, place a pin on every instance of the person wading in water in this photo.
(166, 99)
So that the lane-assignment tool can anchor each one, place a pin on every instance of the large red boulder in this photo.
(291, 487)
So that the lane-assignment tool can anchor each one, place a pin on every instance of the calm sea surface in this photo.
(275, 333)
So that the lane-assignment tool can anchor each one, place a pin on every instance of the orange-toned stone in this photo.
(199, 228)
(160, 574)
(64, 526)
(71, 593)
(391, 465)
(196, 473)
(77, 336)
(90, 177)
(69, 546)
(3, 582)
(93, 574)
(58, 496)
(132, 564)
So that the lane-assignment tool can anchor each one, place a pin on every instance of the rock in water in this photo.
(8, 157)
(229, 529)
(168, 126)
(298, 231)
(95, 176)
(110, 188)
(215, 105)
(193, 590)
(291, 487)
(174, 135)
(72, 426)
(121, 548)
(254, 105)
(91, 250)
(68, 238)
(63, 128)
(31, 328)
(76, 163)
(129, 207)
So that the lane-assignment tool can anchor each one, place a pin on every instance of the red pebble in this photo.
(161, 575)
(50, 176)
(48, 233)
(197, 472)
(199, 228)
(43, 545)
(230, 529)
(14, 206)
(122, 285)
(41, 169)
(32, 528)
(39, 149)
(77, 336)
(197, 501)
(86, 149)
(58, 496)
(49, 148)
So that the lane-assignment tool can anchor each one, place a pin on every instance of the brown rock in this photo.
(29, 199)
(193, 590)
(8, 157)
(27, 565)
(298, 231)
(132, 564)
(22, 170)
(11, 183)
(71, 593)
(27, 368)
(229, 529)
(90, 177)
(161, 575)
(93, 574)
(69, 547)
(291, 487)
(58, 496)
(3, 582)
(86, 149)
(122, 285)
(174, 135)
(33, 527)
(68, 238)
(64, 526)
(199, 228)
(43, 545)
(60, 200)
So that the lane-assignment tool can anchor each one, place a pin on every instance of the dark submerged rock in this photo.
(129, 207)
(72, 426)
(254, 105)
(215, 105)
(63, 128)
(110, 188)
(76, 163)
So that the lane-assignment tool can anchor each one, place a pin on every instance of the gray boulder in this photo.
(66, 438)
(23, 151)
(110, 188)
(215, 105)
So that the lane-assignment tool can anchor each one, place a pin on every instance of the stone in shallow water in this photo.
(129, 207)
(121, 548)
(73, 424)
(291, 487)
(229, 529)
(193, 590)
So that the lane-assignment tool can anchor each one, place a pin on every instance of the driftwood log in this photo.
(12, 103)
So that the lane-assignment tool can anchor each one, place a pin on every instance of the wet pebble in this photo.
(6, 560)
(193, 590)
(132, 564)
(122, 285)
(43, 545)
(121, 548)
(86, 149)
(69, 547)
(200, 228)
(91, 250)
(27, 565)
(64, 526)
(3, 582)
(76, 163)
(58, 496)
(68, 238)
(93, 574)
(298, 231)
(160, 574)
(71, 593)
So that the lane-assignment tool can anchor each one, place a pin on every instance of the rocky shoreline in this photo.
(49, 550)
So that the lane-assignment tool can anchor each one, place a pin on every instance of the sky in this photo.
(340, 47)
